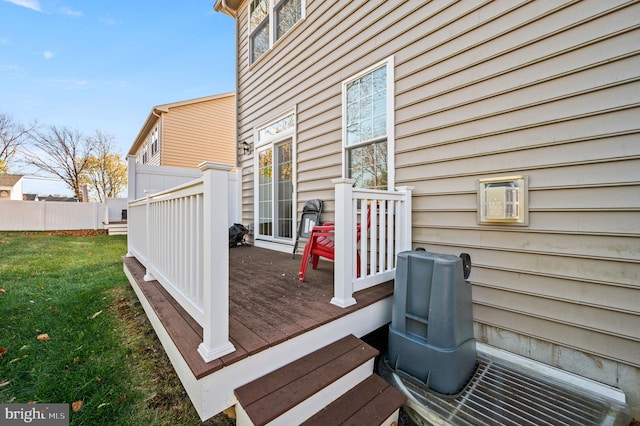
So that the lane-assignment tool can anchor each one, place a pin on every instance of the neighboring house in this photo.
(10, 187)
(58, 198)
(185, 133)
(447, 96)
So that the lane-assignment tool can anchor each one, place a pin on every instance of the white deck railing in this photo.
(384, 221)
(181, 237)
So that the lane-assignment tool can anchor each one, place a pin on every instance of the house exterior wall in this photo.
(188, 133)
(145, 154)
(199, 132)
(546, 89)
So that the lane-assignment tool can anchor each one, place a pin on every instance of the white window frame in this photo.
(272, 141)
(272, 31)
(390, 106)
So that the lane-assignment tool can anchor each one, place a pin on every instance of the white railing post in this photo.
(406, 237)
(131, 178)
(148, 276)
(215, 338)
(343, 262)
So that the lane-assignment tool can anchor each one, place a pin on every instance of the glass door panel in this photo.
(275, 191)
(284, 192)
(265, 192)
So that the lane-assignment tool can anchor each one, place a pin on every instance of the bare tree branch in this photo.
(60, 152)
(12, 136)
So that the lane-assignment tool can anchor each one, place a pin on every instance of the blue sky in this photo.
(103, 64)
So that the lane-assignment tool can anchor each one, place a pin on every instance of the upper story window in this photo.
(368, 127)
(269, 20)
(154, 141)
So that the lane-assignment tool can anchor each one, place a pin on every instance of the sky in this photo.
(104, 64)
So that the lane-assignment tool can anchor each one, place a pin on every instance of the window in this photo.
(269, 20)
(154, 141)
(274, 179)
(368, 127)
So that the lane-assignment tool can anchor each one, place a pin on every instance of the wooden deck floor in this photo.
(267, 306)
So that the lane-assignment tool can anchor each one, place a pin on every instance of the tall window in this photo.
(269, 20)
(368, 126)
(274, 179)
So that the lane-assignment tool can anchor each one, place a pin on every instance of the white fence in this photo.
(144, 179)
(50, 215)
(384, 221)
(181, 236)
(115, 209)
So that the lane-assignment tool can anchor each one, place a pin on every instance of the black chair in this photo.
(310, 217)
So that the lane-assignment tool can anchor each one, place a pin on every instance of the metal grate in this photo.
(500, 395)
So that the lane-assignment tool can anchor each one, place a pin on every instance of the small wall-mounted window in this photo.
(503, 200)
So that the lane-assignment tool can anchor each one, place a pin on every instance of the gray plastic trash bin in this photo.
(431, 333)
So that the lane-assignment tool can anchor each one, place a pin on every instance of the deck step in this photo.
(372, 402)
(118, 228)
(297, 391)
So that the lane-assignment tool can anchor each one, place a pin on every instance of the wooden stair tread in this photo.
(269, 396)
(369, 403)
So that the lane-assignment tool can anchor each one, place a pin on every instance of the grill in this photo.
(498, 394)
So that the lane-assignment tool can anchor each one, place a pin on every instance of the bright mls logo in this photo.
(36, 414)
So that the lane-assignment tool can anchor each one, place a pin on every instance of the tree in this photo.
(12, 136)
(106, 172)
(60, 152)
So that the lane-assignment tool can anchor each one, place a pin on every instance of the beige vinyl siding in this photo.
(546, 89)
(145, 145)
(197, 132)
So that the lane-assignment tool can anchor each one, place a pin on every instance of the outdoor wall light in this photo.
(245, 148)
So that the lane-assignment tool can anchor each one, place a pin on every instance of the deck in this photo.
(268, 305)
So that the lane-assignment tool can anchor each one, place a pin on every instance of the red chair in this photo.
(321, 244)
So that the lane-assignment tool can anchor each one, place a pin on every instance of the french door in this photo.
(275, 191)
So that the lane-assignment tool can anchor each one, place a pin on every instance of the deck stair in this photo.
(116, 228)
(333, 385)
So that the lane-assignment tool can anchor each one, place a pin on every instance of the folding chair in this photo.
(310, 217)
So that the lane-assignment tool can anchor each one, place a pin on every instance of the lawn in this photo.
(72, 331)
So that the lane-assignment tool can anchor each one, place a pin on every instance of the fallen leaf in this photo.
(123, 397)
(44, 337)
(96, 314)
(90, 253)
(76, 406)
(20, 358)
(3, 351)
(2, 291)
(104, 404)
(98, 378)
(76, 359)
(4, 382)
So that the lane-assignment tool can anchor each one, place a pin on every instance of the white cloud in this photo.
(70, 12)
(72, 84)
(29, 4)
(108, 20)
(47, 54)
(8, 67)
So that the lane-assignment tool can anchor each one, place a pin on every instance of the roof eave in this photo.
(228, 7)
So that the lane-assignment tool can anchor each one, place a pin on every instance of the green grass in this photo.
(101, 348)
